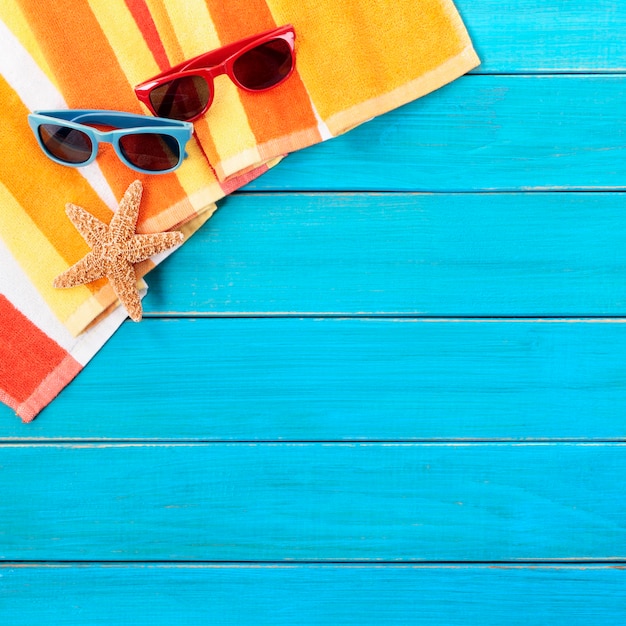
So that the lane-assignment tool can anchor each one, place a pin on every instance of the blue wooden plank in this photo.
(313, 502)
(541, 254)
(547, 35)
(504, 133)
(268, 379)
(313, 595)
(276, 379)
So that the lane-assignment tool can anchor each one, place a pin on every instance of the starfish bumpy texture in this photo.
(115, 248)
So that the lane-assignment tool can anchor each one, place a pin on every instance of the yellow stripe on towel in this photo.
(37, 257)
(230, 133)
(125, 38)
(355, 57)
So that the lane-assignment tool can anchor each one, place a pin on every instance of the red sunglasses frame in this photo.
(211, 64)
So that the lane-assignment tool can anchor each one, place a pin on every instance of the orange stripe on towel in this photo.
(86, 67)
(283, 111)
(90, 76)
(41, 187)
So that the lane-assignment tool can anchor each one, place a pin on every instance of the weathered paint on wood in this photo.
(313, 502)
(491, 131)
(283, 595)
(505, 133)
(327, 379)
(545, 254)
(547, 35)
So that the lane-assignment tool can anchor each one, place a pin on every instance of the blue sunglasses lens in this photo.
(66, 144)
(152, 152)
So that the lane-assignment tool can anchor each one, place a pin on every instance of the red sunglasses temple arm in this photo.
(215, 57)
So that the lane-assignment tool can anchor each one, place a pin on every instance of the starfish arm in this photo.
(144, 246)
(123, 224)
(85, 271)
(90, 227)
(123, 280)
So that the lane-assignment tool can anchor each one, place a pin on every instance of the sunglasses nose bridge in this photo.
(106, 136)
(217, 70)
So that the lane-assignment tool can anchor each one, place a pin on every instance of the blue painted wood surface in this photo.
(403, 254)
(283, 595)
(496, 133)
(547, 36)
(315, 502)
(347, 379)
(453, 280)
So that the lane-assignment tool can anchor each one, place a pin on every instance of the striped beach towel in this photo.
(355, 59)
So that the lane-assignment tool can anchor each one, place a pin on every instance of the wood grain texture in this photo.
(313, 502)
(513, 125)
(547, 35)
(303, 379)
(313, 595)
(544, 254)
(506, 133)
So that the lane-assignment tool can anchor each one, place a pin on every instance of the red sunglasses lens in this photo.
(66, 144)
(180, 99)
(150, 151)
(264, 66)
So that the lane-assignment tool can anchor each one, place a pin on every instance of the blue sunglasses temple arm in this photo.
(107, 117)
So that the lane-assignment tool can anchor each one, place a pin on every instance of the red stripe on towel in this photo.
(29, 383)
(145, 23)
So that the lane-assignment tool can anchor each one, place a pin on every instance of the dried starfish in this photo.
(115, 248)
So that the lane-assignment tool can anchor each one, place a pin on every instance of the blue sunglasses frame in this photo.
(123, 123)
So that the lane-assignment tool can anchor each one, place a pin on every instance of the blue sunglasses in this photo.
(153, 145)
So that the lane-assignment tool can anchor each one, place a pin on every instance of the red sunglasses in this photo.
(257, 63)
